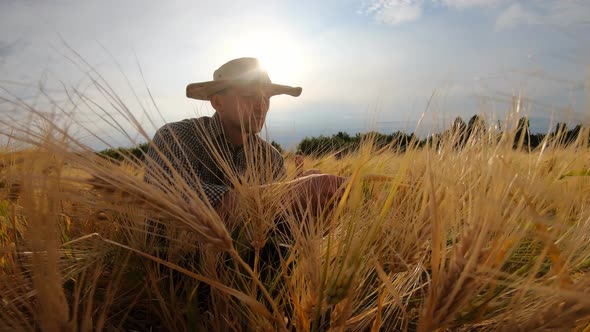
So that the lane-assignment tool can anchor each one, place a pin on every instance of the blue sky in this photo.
(363, 64)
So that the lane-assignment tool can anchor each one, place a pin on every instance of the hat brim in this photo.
(204, 90)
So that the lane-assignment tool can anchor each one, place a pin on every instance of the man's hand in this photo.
(318, 189)
(315, 189)
(310, 171)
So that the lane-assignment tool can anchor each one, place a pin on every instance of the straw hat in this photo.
(244, 72)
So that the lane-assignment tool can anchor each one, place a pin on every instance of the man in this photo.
(222, 151)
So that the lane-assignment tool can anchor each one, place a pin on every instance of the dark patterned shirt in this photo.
(198, 151)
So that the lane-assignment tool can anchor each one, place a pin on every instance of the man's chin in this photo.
(253, 131)
(256, 129)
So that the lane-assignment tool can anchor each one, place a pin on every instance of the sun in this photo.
(282, 56)
(281, 66)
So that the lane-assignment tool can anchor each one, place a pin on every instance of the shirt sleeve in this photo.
(169, 147)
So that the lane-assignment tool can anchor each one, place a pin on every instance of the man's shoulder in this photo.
(190, 132)
(186, 126)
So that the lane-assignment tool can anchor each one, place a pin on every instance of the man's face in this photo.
(241, 106)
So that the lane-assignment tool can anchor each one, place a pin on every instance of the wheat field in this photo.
(486, 237)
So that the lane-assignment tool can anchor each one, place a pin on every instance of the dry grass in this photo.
(483, 238)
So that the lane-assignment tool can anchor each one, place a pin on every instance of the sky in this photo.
(363, 65)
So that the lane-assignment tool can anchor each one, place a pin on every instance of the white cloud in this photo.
(551, 12)
(462, 4)
(395, 11)
(558, 13)
(401, 11)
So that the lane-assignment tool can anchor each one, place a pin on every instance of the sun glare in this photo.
(281, 55)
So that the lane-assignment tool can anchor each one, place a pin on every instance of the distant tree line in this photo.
(120, 154)
(459, 135)
(342, 143)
